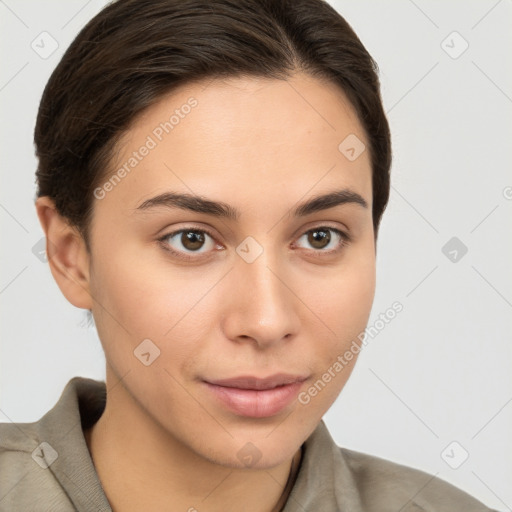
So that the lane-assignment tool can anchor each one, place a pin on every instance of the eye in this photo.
(322, 240)
(183, 243)
(188, 240)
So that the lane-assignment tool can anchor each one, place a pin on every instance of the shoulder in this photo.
(384, 486)
(27, 480)
(41, 460)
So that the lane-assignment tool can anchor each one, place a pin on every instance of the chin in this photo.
(246, 451)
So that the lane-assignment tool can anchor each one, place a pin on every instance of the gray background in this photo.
(440, 371)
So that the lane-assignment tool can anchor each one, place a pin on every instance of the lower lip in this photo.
(256, 403)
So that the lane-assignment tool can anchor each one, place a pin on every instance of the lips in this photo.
(256, 397)
(255, 383)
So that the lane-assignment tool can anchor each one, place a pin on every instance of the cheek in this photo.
(355, 299)
(130, 307)
(343, 298)
(345, 308)
(343, 304)
(357, 284)
(139, 297)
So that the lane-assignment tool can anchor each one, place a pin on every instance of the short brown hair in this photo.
(135, 51)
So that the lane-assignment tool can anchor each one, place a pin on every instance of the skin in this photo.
(261, 146)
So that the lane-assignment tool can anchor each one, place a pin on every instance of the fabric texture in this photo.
(46, 466)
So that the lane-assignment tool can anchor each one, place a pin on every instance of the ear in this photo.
(66, 253)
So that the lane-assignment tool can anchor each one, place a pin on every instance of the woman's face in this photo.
(250, 289)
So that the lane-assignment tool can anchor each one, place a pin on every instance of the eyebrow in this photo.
(220, 209)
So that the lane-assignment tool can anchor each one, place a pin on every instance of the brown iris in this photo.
(192, 240)
(319, 238)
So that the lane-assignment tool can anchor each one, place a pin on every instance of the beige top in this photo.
(46, 465)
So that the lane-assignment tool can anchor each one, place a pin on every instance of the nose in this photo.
(261, 307)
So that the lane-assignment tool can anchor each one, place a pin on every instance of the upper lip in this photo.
(250, 382)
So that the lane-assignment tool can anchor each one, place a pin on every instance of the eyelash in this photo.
(345, 240)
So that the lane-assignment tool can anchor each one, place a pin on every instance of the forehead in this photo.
(244, 138)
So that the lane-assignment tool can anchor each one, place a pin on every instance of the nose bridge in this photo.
(261, 281)
(262, 306)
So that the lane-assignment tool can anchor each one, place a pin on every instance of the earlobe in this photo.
(66, 253)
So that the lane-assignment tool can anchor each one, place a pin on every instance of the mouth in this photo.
(256, 397)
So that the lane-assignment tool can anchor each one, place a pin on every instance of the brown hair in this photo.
(135, 51)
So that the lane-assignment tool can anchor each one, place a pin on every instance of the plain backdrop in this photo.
(434, 385)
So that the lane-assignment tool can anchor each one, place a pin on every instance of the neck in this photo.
(143, 467)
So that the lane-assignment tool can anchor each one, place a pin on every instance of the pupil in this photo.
(192, 240)
(319, 238)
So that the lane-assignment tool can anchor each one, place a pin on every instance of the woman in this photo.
(211, 180)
